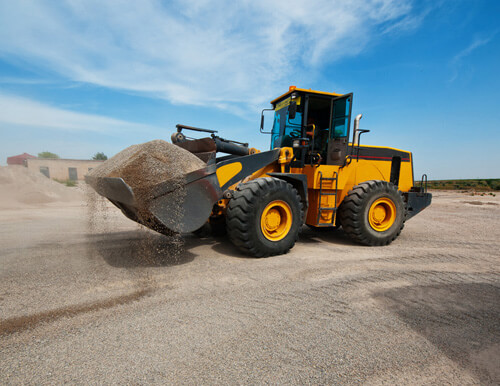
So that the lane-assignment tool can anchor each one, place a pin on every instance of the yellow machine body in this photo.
(356, 170)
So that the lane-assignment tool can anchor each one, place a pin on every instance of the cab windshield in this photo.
(285, 130)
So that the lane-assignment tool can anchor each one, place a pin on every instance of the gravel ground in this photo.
(93, 302)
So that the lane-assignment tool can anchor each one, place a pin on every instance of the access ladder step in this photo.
(334, 185)
(322, 209)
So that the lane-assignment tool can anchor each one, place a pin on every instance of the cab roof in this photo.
(293, 88)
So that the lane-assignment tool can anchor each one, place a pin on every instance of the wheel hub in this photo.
(273, 219)
(276, 220)
(379, 214)
(382, 214)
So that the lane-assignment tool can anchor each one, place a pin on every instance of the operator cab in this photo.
(315, 124)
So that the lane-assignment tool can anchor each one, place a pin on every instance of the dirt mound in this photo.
(21, 187)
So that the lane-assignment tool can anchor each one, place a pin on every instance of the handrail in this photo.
(423, 187)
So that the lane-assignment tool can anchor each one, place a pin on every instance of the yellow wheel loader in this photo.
(312, 175)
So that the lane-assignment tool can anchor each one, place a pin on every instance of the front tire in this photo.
(373, 213)
(264, 217)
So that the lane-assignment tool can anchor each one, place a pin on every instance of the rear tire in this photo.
(373, 213)
(264, 217)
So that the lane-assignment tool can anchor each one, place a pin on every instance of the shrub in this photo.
(48, 154)
(100, 156)
(68, 182)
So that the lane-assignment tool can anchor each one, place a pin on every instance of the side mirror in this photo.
(292, 110)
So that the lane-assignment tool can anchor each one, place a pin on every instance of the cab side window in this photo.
(340, 118)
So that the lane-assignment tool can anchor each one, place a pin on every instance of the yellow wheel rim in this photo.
(382, 214)
(276, 220)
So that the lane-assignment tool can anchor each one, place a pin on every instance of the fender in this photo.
(299, 182)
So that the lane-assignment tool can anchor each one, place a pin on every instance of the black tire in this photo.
(245, 210)
(355, 209)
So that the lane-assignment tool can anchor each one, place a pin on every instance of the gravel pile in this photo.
(145, 165)
(21, 187)
(149, 163)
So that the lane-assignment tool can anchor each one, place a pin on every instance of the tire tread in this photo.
(241, 215)
(351, 212)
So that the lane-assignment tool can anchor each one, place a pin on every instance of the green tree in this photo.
(48, 154)
(100, 156)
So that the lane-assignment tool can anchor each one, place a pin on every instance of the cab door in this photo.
(340, 120)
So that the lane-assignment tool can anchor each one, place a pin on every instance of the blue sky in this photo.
(78, 77)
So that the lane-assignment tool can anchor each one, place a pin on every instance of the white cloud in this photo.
(22, 81)
(193, 52)
(456, 61)
(16, 111)
(476, 43)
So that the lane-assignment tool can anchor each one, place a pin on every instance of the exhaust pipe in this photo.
(356, 133)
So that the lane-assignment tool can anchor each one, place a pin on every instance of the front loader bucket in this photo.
(180, 205)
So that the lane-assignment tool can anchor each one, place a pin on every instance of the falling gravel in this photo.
(142, 167)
